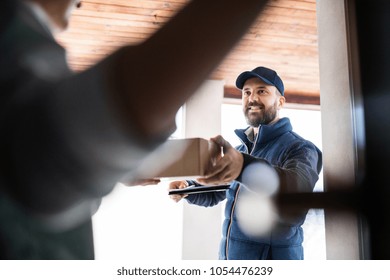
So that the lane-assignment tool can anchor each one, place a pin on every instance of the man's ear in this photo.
(281, 101)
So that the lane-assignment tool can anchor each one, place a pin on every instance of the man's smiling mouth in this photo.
(254, 108)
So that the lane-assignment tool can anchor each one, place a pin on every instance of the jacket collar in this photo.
(266, 132)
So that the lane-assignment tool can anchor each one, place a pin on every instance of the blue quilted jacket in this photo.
(298, 163)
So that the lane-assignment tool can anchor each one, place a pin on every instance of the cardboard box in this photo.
(186, 158)
(192, 157)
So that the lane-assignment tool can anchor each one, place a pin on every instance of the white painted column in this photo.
(338, 126)
(202, 226)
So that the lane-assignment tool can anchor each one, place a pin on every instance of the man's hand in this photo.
(177, 185)
(225, 168)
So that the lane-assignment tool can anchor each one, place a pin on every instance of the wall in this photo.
(338, 126)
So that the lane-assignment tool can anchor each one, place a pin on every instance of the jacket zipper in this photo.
(235, 201)
(230, 223)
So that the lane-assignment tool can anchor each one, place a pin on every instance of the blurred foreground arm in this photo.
(71, 137)
(178, 58)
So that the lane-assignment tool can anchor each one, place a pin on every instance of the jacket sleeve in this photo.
(299, 169)
(205, 199)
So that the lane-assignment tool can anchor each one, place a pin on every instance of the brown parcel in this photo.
(178, 158)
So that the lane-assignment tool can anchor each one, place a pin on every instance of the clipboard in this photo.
(199, 189)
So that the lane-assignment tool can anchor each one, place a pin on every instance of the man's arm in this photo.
(71, 139)
(178, 58)
(298, 173)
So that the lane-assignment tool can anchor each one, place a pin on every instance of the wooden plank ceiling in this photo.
(284, 37)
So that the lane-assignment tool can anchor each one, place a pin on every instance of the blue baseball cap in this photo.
(267, 75)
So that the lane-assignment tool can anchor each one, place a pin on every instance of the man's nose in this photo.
(253, 97)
